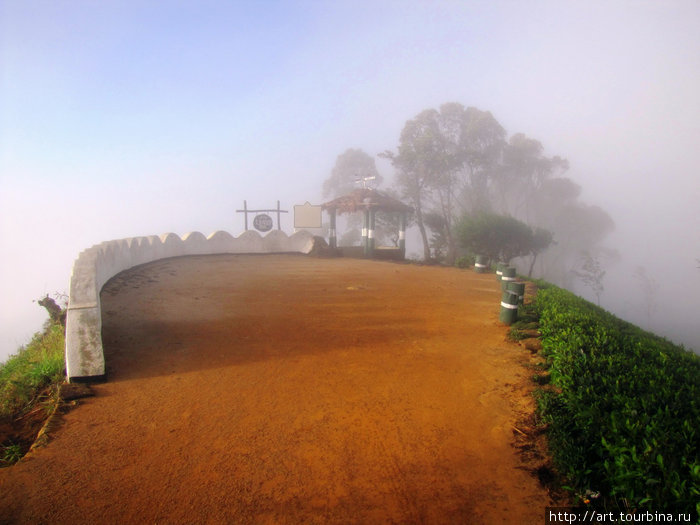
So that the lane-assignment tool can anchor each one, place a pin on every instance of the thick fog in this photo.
(122, 119)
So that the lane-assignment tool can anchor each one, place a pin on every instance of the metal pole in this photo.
(279, 226)
(245, 213)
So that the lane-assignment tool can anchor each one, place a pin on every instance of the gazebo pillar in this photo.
(332, 235)
(367, 202)
(370, 233)
(365, 231)
(402, 235)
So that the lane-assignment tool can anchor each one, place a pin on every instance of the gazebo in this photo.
(369, 202)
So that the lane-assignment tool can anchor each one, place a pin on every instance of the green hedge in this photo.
(624, 410)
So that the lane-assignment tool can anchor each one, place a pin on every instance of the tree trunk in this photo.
(56, 313)
(532, 264)
(451, 254)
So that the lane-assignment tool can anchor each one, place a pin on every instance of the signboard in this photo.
(307, 216)
(262, 222)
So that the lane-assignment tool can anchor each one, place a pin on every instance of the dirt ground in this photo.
(292, 389)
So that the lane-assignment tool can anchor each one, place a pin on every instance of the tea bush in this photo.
(465, 261)
(624, 410)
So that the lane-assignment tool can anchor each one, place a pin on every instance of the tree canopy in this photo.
(455, 161)
(350, 166)
(443, 163)
(499, 237)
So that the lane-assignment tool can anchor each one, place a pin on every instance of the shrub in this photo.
(624, 416)
(465, 261)
(500, 238)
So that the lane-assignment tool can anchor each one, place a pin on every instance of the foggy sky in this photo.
(121, 119)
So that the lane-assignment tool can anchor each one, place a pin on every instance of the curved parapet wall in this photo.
(97, 265)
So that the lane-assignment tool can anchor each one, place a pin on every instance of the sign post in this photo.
(262, 222)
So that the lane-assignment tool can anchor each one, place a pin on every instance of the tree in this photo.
(541, 240)
(482, 141)
(57, 314)
(454, 160)
(591, 274)
(438, 239)
(498, 237)
(415, 166)
(350, 166)
(388, 225)
(523, 172)
(649, 288)
(578, 228)
(443, 162)
(412, 184)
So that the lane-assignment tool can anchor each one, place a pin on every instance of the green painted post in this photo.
(509, 307)
(518, 288)
(508, 276)
(481, 264)
(499, 270)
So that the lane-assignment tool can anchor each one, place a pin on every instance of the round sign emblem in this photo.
(262, 222)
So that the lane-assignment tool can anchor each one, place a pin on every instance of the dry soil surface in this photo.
(291, 389)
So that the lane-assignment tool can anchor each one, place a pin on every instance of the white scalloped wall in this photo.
(97, 265)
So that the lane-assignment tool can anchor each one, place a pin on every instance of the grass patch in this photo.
(35, 366)
(28, 382)
(10, 454)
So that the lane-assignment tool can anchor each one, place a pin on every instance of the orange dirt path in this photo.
(291, 389)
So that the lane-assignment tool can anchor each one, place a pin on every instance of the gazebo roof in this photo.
(363, 199)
